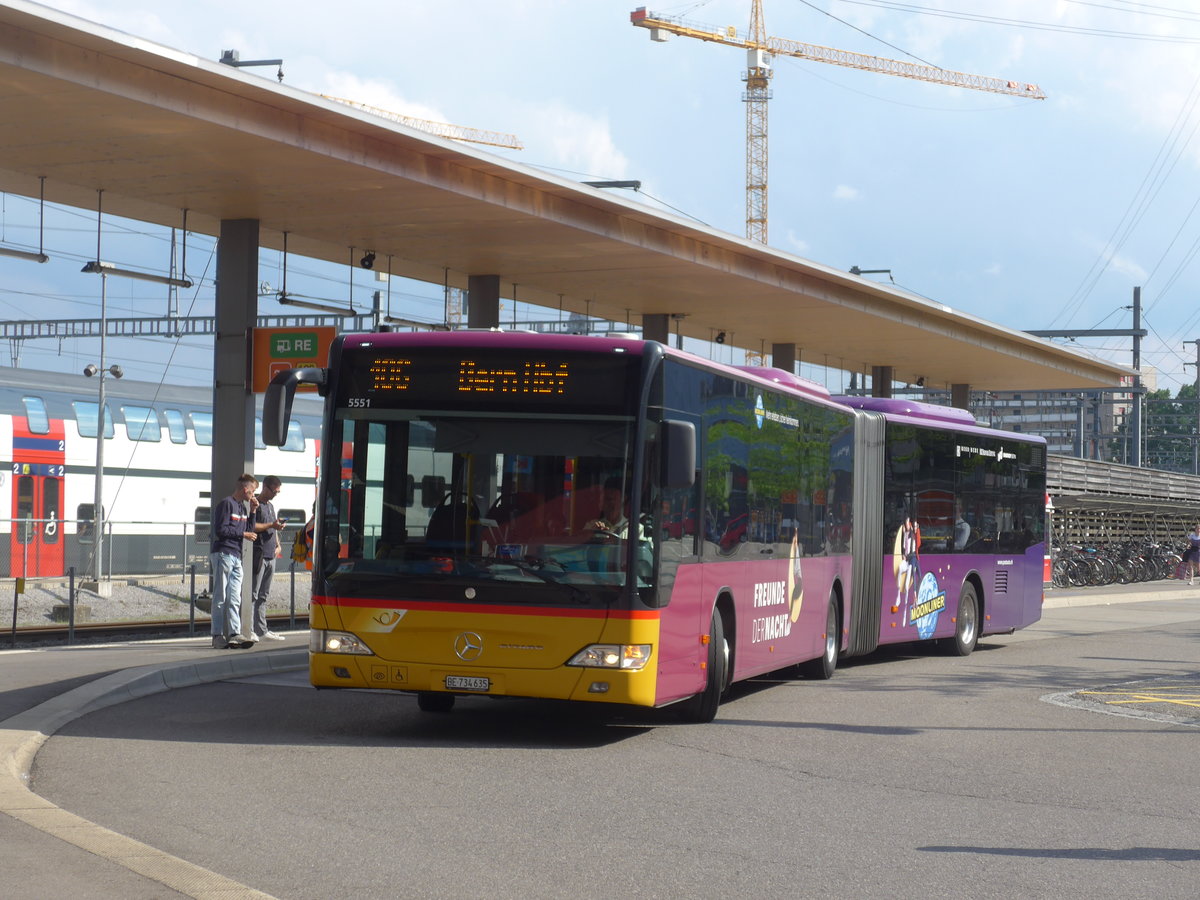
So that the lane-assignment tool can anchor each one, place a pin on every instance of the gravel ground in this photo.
(135, 599)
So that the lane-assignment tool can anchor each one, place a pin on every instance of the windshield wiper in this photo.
(535, 567)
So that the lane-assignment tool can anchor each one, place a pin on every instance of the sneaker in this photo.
(237, 642)
(252, 638)
(272, 636)
(219, 642)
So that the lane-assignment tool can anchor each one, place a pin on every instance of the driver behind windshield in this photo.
(612, 517)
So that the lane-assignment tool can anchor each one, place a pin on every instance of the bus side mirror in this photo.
(277, 403)
(678, 454)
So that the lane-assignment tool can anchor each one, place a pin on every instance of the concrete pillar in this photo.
(233, 403)
(657, 327)
(881, 381)
(483, 301)
(960, 396)
(784, 356)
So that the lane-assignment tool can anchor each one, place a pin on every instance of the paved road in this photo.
(905, 776)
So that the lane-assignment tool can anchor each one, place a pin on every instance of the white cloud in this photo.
(1123, 265)
(557, 135)
(994, 270)
(382, 95)
(845, 192)
(796, 243)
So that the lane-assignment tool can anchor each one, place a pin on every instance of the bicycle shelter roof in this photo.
(160, 131)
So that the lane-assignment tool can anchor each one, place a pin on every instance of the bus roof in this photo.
(490, 337)
(915, 412)
(912, 408)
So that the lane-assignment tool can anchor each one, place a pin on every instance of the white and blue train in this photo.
(157, 473)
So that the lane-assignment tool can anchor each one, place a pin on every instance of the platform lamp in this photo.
(104, 270)
(116, 372)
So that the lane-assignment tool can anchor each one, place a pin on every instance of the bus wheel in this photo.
(966, 623)
(435, 701)
(823, 666)
(703, 707)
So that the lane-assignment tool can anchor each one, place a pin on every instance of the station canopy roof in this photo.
(161, 131)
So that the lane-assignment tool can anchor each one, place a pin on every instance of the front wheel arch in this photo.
(702, 707)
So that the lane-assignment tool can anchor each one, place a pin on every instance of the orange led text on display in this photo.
(390, 375)
(530, 377)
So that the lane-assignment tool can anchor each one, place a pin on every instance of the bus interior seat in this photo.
(452, 524)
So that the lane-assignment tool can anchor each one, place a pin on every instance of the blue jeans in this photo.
(227, 594)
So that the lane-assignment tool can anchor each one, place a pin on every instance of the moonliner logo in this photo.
(468, 646)
(931, 600)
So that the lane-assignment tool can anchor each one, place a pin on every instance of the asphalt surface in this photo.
(50, 851)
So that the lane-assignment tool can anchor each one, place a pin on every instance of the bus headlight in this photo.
(612, 656)
(337, 642)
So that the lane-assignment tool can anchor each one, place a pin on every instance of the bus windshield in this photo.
(539, 502)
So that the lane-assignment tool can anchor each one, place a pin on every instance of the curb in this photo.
(1068, 597)
(22, 735)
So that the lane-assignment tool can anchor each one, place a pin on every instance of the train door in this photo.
(39, 464)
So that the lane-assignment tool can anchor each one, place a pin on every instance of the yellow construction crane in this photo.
(760, 47)
(441, 129)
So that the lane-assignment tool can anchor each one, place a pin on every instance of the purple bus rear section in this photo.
(1010, 585)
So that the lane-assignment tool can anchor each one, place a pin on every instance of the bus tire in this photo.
(435, 702)
(966, 623)
(823, 667)
(702, 708)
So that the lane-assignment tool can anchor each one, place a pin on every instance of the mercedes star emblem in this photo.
(468, 646)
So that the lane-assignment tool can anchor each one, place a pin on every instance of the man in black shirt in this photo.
(268, 525)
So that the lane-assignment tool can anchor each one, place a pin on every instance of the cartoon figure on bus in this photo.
(795, 579)
(907, 562)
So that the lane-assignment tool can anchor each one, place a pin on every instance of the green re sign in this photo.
(290, 346)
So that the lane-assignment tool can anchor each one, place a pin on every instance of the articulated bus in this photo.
(608, 519)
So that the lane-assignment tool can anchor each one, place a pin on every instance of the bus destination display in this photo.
(526, 377)
(508, 379)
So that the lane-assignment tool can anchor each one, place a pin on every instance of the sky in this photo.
(1030, 214)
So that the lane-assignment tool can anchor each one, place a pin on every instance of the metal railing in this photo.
(152, 572)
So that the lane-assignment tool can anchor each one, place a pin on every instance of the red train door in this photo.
(39, 464)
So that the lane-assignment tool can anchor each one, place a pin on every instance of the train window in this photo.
(295, 437)
(35, 413)
(141, 423)
(202, 426)
(24, 514)
(203, 522)
(175, 426)
(85, 521)
(86, 414)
